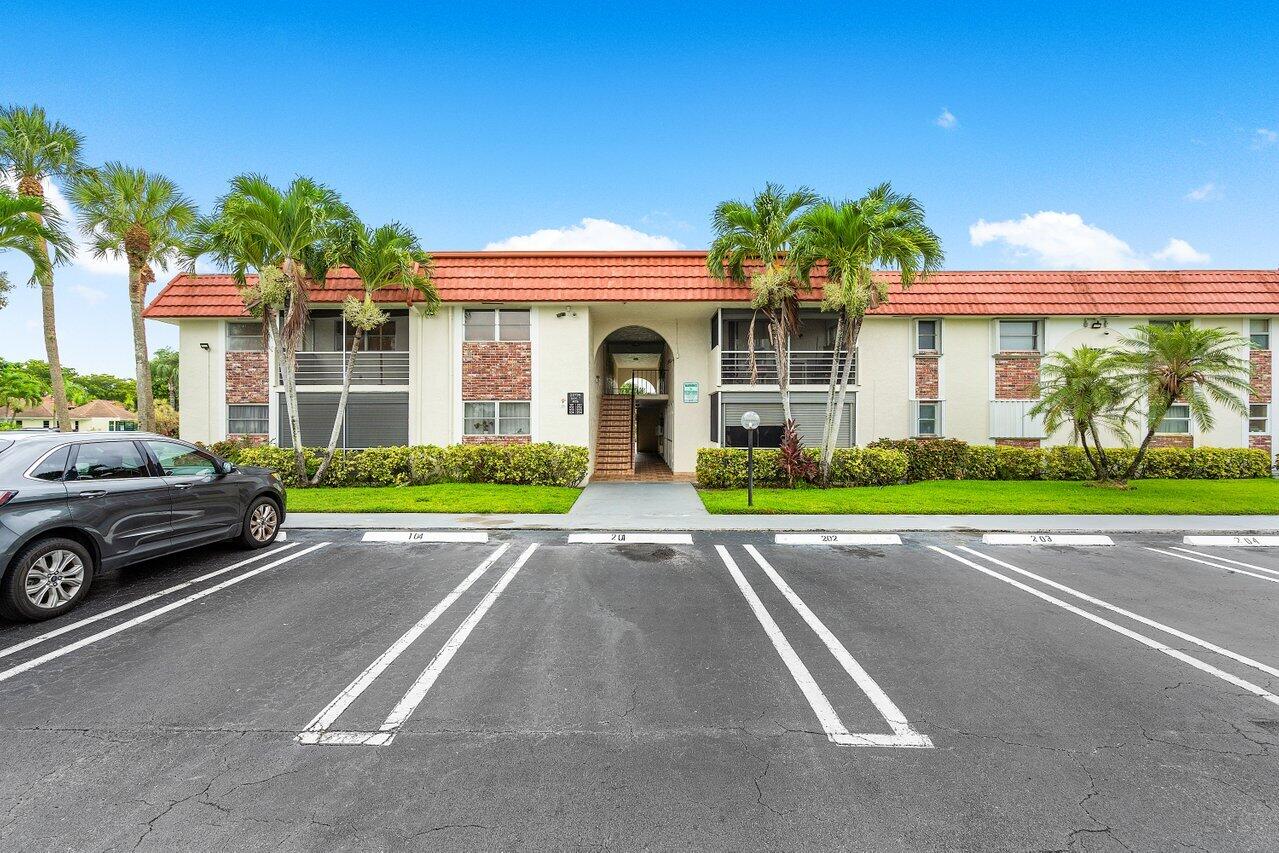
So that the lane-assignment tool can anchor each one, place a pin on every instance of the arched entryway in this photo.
(633, 434)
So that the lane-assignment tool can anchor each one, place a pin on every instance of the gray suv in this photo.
(72, 504)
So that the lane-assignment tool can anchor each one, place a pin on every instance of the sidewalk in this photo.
(675, 506)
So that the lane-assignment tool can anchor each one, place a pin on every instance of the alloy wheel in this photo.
(55, 578)
(262, 522)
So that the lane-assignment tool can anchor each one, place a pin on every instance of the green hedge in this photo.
(907, 461)
(542, 464)
(725, 467)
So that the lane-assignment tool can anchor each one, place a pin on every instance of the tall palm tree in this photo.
(33, 149)
(1083, 388)
(24, 222)
(1178, 364)
(757, 237)
(385, 257)
(165, 374)
(285, 237)
(881, 230)
(144, 219)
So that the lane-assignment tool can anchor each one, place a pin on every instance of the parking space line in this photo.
(1233, 541)
(835, 730)
(1221, 559)
(1167, 629)
(1045, 539)
(1212, 564)
(1119, 629)
(837, 539)
(137, 602)
(630, 539)
(160, 611)
(887, 708)
(472, 536)
(316, 730)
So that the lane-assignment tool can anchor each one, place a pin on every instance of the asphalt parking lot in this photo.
(728, 692)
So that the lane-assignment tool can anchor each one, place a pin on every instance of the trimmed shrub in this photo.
(929, 458)
(870, 466)
(1065, 462)
(982, 462)
(1019, 463)
(725, 467)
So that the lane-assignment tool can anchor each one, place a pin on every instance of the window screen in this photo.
(244, 337)
(1176, 420)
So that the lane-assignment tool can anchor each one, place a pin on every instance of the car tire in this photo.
(47, 578)
(261, 523)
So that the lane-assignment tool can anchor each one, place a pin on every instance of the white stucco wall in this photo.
(562, 362)
(964, 378)
(202, 380)
(434, 356)
(883, 379)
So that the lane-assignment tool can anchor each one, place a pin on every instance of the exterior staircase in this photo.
(613, 459)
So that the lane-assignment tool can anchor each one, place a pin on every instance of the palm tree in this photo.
(24, 222)
(285, 237)
(18, 388)
(144, 219)
(758, 236)
(164, 374)
(389, 256)
(33, 149)
(1160, 366)
(1083, 388)
(882, 229)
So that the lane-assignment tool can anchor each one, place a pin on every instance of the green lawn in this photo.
(1011, 497)
(442, 497)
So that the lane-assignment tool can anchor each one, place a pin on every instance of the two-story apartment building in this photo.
(642, 355)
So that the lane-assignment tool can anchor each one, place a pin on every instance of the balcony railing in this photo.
(371, 368)
(807, 367)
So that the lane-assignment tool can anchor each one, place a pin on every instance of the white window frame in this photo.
(1264, 418)
(497, 325)
(937, 324)
(1253, 333)
(939, 428)
(1038, 333)
(265, 419)
(1161, 430)
(498, 418)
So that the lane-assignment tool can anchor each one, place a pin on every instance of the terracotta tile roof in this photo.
(682, 277)
(92, 409)
(44, 410)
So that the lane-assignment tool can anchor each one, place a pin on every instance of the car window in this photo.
(181, 461)
(109, 460)
(53, 466)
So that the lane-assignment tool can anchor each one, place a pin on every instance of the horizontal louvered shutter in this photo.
(315, 414)
(377, 420)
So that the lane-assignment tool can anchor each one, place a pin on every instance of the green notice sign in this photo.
(691, 390)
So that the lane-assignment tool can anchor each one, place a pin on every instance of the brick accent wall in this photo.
(497, 370)
(1016, 375)
(1259, 442)
(1260, 359)
(246, 378)
(926, 382)
(1173, 441)
(496, 439)
(1017, 442)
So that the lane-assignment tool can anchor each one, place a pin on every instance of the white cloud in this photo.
(589, 234)
(1055, 239)
(91, 295)
(1264, 138)
(1180, 252)
(1206, 192)
(946, 119)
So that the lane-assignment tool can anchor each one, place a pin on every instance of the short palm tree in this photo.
(33, 149)
(285, 237)
(24, 222)
(144, 219)
(1083, 389)
(385, 257)
(18, 388)
(164, 374)
(757, 238)
(1182, 363)
(881, 230)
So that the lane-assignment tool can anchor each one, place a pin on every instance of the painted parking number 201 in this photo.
(617, 537)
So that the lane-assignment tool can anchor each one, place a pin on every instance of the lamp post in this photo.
(750, 422)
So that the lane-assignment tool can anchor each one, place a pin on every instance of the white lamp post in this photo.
(750, 423)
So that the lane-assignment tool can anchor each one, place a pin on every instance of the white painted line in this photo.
(413, 536)
(1045, 539)
(407, 705)
(837, 539)
(1221, 559)
(1214, 564)
(1232, 541)
(630, 539)
(344, 738)
(902, 730)
(145, 617)
(329, 714)
(137, 602)
(1181, 635)
(1119, 629)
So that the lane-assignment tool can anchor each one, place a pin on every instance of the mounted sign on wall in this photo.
(691, 390)
(576, 403)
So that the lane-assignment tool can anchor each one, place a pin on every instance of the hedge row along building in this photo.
(643, 357)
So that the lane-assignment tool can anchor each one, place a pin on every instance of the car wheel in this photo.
(261, 523)
(48, 578)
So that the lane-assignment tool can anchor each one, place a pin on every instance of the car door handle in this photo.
(183, 486)
(97, 493)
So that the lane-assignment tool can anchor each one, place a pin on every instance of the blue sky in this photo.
(1036, 134)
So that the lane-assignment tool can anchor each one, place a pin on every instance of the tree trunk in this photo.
(828, 425)
(854, 330)
(1082, 431)
(141, 364)
(1135, 465)
(1104, 473)
(781, 356)
(173, 392)
(284, 363)
(61, 410)
(340, 416)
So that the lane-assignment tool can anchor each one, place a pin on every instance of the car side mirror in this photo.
(227, 468)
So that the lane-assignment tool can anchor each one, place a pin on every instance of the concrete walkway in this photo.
(675, 506)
